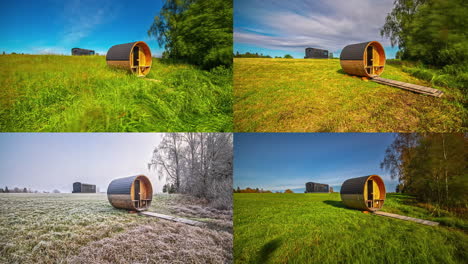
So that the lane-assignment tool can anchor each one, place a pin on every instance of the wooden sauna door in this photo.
(370, 56)
(137, 190)
(370, 192)
(136, 58)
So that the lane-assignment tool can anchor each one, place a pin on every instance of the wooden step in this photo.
(407, 218)
(409, 86)
(173, 218)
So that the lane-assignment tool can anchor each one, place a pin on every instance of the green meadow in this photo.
(315, 95)
(52, 93)
(317, 228)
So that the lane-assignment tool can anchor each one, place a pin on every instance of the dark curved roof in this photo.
(121, 185)
(354, 185)
(354, 51)
(120, 52)
(81, 49)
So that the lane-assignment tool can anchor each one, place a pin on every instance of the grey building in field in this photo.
(79, 187)
(313, 187)
(79, 52)
(312, 53)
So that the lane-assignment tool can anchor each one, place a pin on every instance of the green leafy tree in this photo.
(288, 56)
(196, 31)
(430, 166)
(432, 31)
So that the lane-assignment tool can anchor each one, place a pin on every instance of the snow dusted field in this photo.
(85, 228)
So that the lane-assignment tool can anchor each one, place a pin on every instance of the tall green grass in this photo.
(317, 228)
(67, 93)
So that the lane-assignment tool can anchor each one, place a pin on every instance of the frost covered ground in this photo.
(85, 228)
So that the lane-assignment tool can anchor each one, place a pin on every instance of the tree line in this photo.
(196, 31)
(22, 190)
(257, 190)
(256, 55)
(432, 167)
(198, 164)
(432, 32)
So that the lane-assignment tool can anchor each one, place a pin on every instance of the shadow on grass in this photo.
(338, 204)
(341, 71)
(268, 249)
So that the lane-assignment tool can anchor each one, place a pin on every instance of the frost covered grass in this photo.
(85, 228)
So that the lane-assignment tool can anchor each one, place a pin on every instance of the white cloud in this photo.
(83, 16)
(294, 25)
(50, 50)
(296, 181)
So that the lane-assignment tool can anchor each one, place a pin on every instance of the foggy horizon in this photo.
(49, 161)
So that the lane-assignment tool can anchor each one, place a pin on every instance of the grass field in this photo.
(51, 93)
(85, 228)
(316, 228)
(297, 95)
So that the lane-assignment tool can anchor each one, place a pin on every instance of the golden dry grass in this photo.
(297, 95)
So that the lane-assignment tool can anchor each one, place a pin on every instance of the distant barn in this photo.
(313, 187)
(79, 52)
(312, 53)
(79, 187)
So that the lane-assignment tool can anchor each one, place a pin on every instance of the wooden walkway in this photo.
(407, 218)
(408, 86)
(173, 218)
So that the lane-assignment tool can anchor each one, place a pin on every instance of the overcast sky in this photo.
(279, 161)
(57, 26)
(277, 27)
(47, 161)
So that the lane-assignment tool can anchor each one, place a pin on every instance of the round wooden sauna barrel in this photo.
(364, 193)
(132, 193)
(365, 59)
(134, 57)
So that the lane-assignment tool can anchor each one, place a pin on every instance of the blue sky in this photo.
(277, 27)
(279, 161)
(47, 161)
(57, 26)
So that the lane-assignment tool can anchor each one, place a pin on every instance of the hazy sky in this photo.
(278, 27)
(279, 161)
(57, 26)
(47, 161)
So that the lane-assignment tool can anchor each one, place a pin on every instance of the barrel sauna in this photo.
(364, 193)
(365, 59)
(134, 57)
(132, 193)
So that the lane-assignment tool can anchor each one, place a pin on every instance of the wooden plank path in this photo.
(409, 86)
(407, 218)
(173, 218)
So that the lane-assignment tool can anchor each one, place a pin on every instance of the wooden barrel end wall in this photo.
(365, 59)
(364, 193)
(133, 193)
(134, 57)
